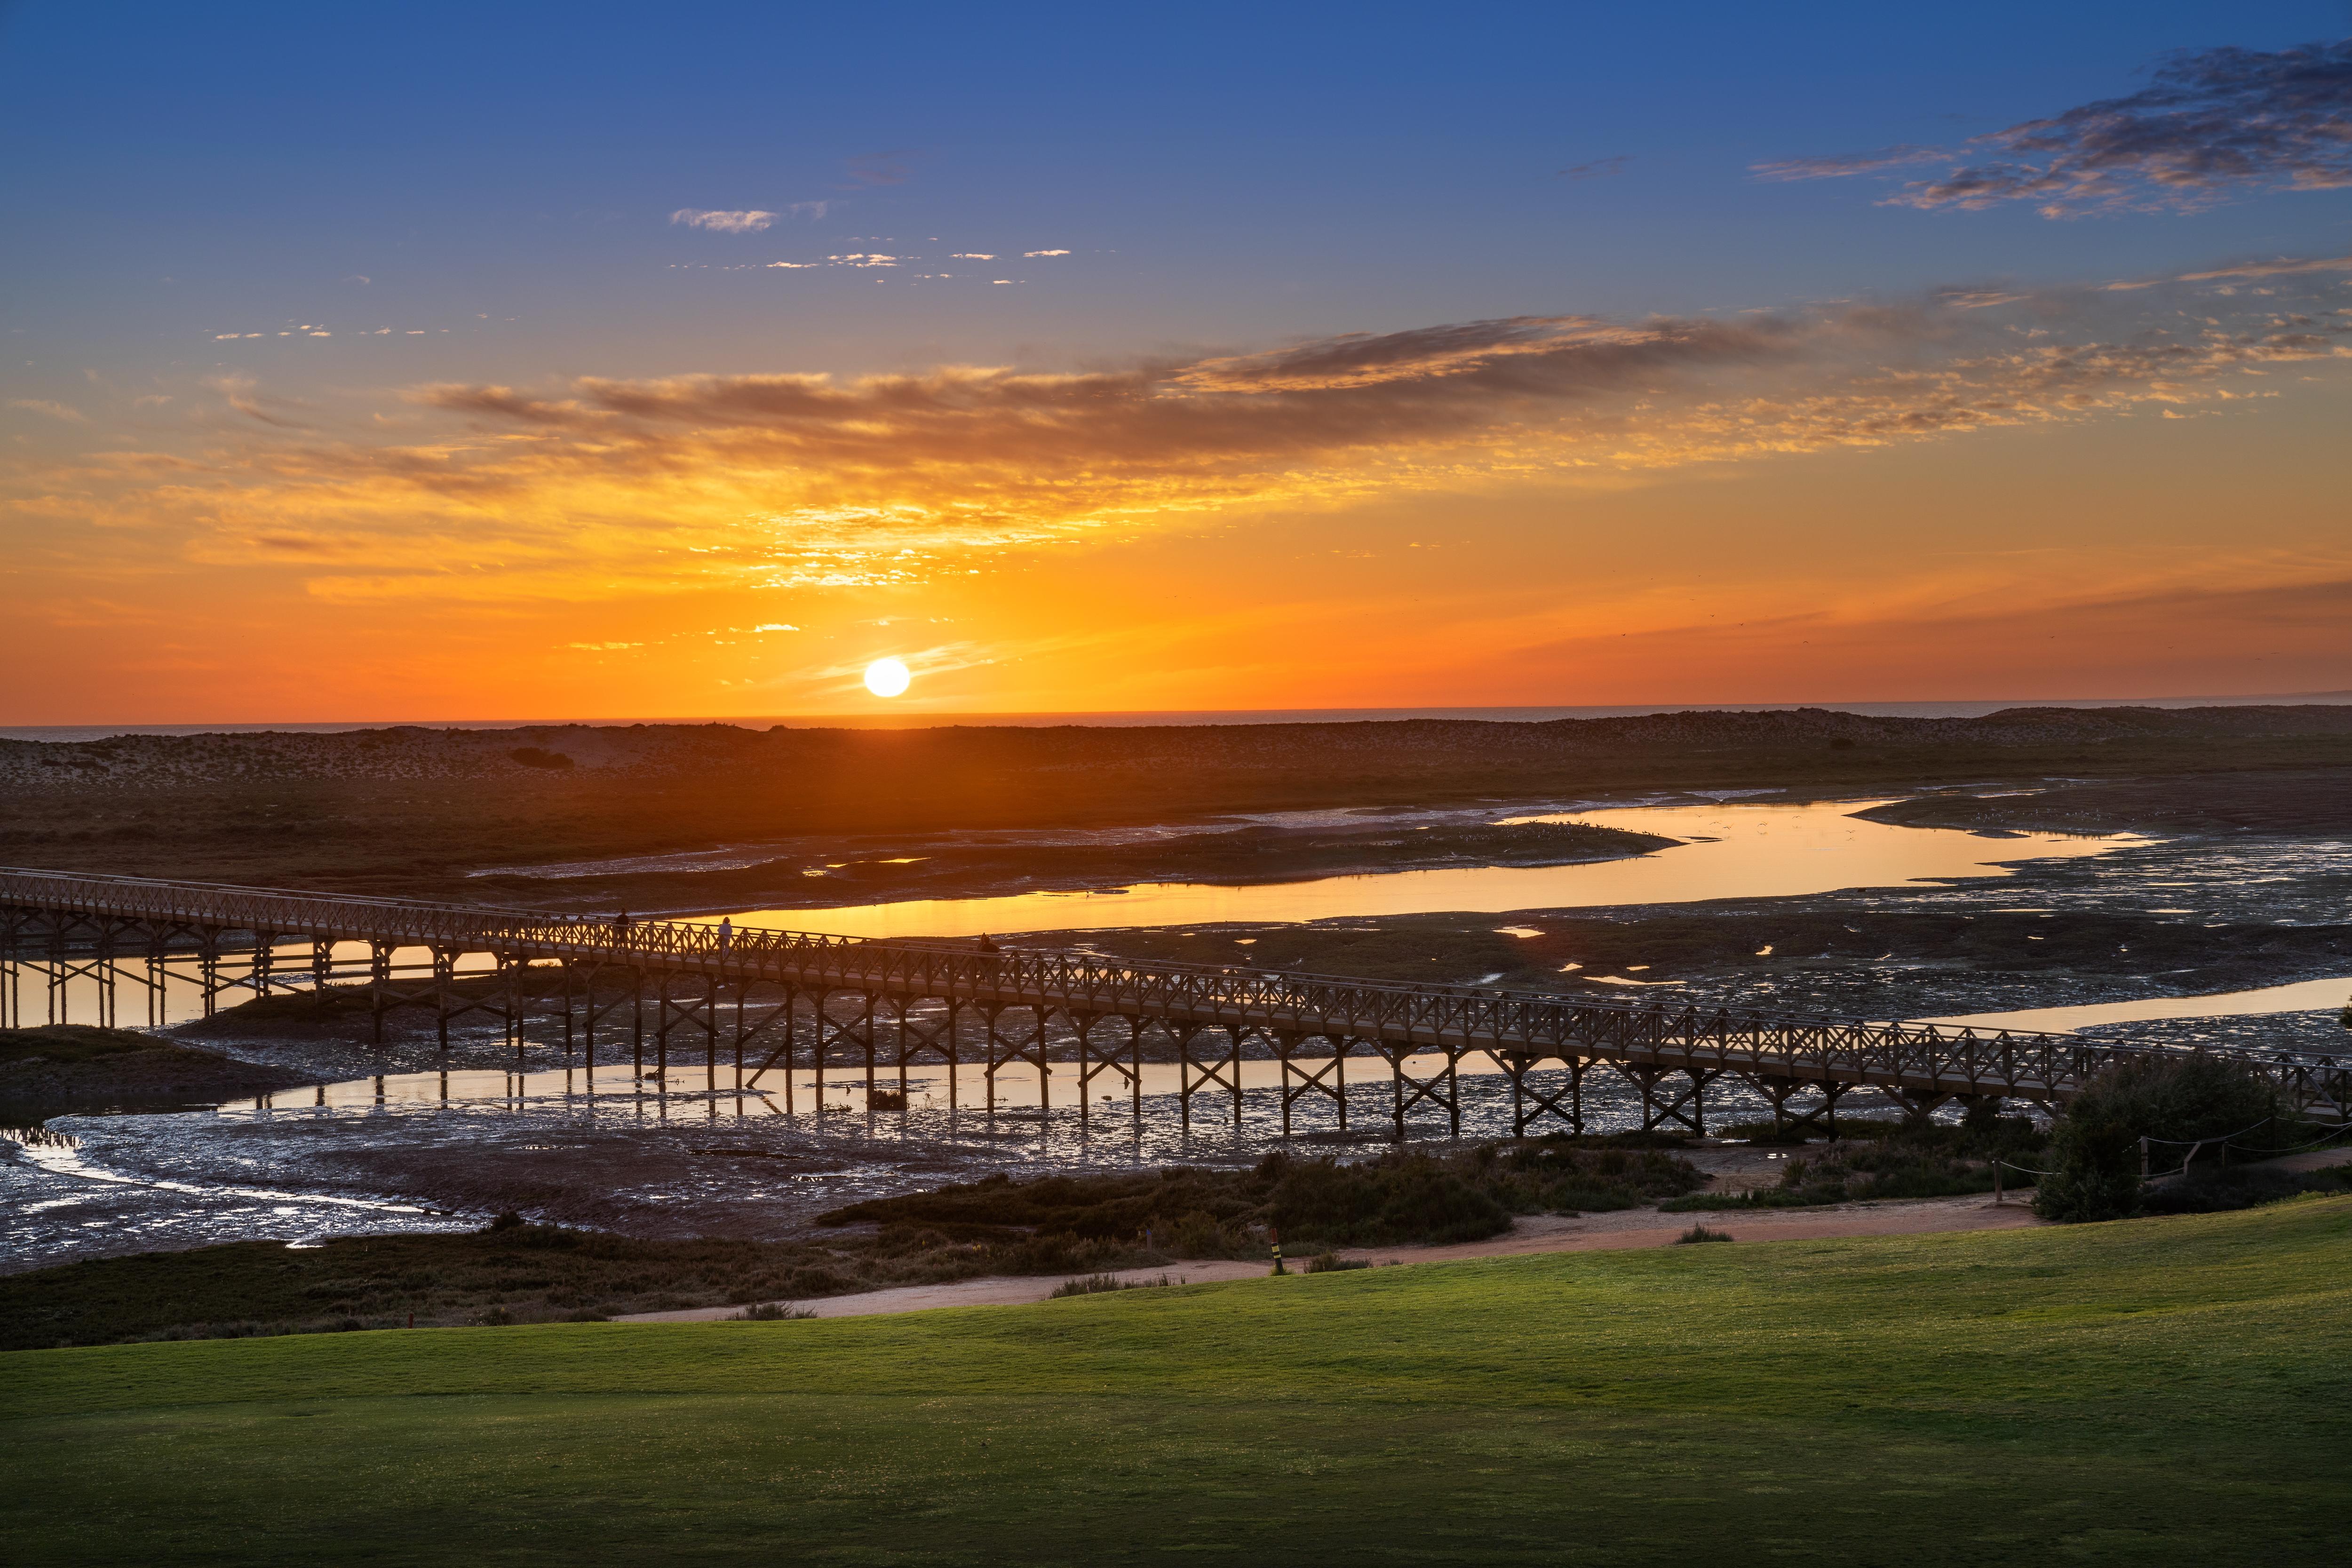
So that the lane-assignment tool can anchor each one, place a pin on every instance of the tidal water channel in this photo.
(405, 1139)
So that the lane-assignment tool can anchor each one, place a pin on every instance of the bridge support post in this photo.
(1331, 1080)
(1095, 1061)
(1003, 1049)
(1688, 1106)
(1780, 1090)
(1443, 1089)
(1516, 1065)
(1918, 1105)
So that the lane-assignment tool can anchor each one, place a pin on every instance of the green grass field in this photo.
(2164, 1391)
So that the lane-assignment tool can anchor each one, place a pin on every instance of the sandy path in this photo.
(1548, 1233)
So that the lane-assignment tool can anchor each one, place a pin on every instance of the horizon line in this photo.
(1179, 717)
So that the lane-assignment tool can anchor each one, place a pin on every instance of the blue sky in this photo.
(1226, 175)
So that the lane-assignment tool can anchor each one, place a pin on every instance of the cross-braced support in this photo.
(1327, 1080)
(1780, 1090)
(780, 1024)
(922, 1024)
(856, 1032)
(1441, 1089)
(1685, 1104)
(1097, 1058)
(1530, 1103)
(686, 1004)
(1019, 1042)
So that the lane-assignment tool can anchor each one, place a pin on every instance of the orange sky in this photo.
(2081, 434)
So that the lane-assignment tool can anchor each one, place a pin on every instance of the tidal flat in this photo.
(2071, 889)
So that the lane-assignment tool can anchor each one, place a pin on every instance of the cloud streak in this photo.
(2211, 124)
(605, 486)
(745, 222)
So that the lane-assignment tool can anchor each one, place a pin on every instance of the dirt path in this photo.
(1549, 1233)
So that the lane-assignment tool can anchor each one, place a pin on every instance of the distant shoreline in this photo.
(921, 720)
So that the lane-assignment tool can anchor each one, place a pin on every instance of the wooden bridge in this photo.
(763, 1000)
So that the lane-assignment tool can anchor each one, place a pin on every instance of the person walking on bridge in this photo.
(725, 933)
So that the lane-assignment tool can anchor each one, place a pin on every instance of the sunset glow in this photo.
(1682, 399)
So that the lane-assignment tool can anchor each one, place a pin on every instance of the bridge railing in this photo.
(1316, 1005)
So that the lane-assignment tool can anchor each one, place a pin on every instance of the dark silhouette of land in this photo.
(413, 811)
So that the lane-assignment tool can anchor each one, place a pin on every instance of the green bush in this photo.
(2094, 1149)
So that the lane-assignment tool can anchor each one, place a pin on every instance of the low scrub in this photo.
(2095, 1149)
(1332, 1263)
(773, 1312)
(73, 1043)
(1915, 1160)
(1397, 1198)
(1097, 1284)
(1699, 1233)
(2218, 1190)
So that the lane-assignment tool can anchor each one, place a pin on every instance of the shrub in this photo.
(1096, 1284)
(1332, 1263)
(773, 1312)
(1394, 1198)
(2094, 1149)
(1699, 1233)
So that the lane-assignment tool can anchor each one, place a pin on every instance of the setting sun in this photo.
(887, 677)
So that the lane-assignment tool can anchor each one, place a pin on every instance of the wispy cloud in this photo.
(1599, 168)
(1045, 253)
(880, 169)
(64, 411)
(2211, 124)
(746, 222)
(2283, 268)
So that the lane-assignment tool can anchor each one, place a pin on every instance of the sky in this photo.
(580, 361)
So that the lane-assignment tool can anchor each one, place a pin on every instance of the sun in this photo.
(887, 677)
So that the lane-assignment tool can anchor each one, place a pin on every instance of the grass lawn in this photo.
(2162, 1391)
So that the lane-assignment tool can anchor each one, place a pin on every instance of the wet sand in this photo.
(1548, 1233)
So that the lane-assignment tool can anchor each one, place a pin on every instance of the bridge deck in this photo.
(1920, 1058)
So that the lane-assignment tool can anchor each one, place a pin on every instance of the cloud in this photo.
(749, 222)
(63, 411)
(2279, 269)
(810, 210)
(1842, 165)
(602, 487)
(974, 256)
(1599, 168)
(358, 278)
(880, 169)
(2211, 124)
(1045, 253)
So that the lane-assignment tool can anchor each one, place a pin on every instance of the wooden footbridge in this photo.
(763, 1000)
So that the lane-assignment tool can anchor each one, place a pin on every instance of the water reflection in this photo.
(2302, 996)
(1729, 852)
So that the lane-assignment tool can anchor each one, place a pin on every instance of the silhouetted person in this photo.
(725, 933)
(988, 944)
